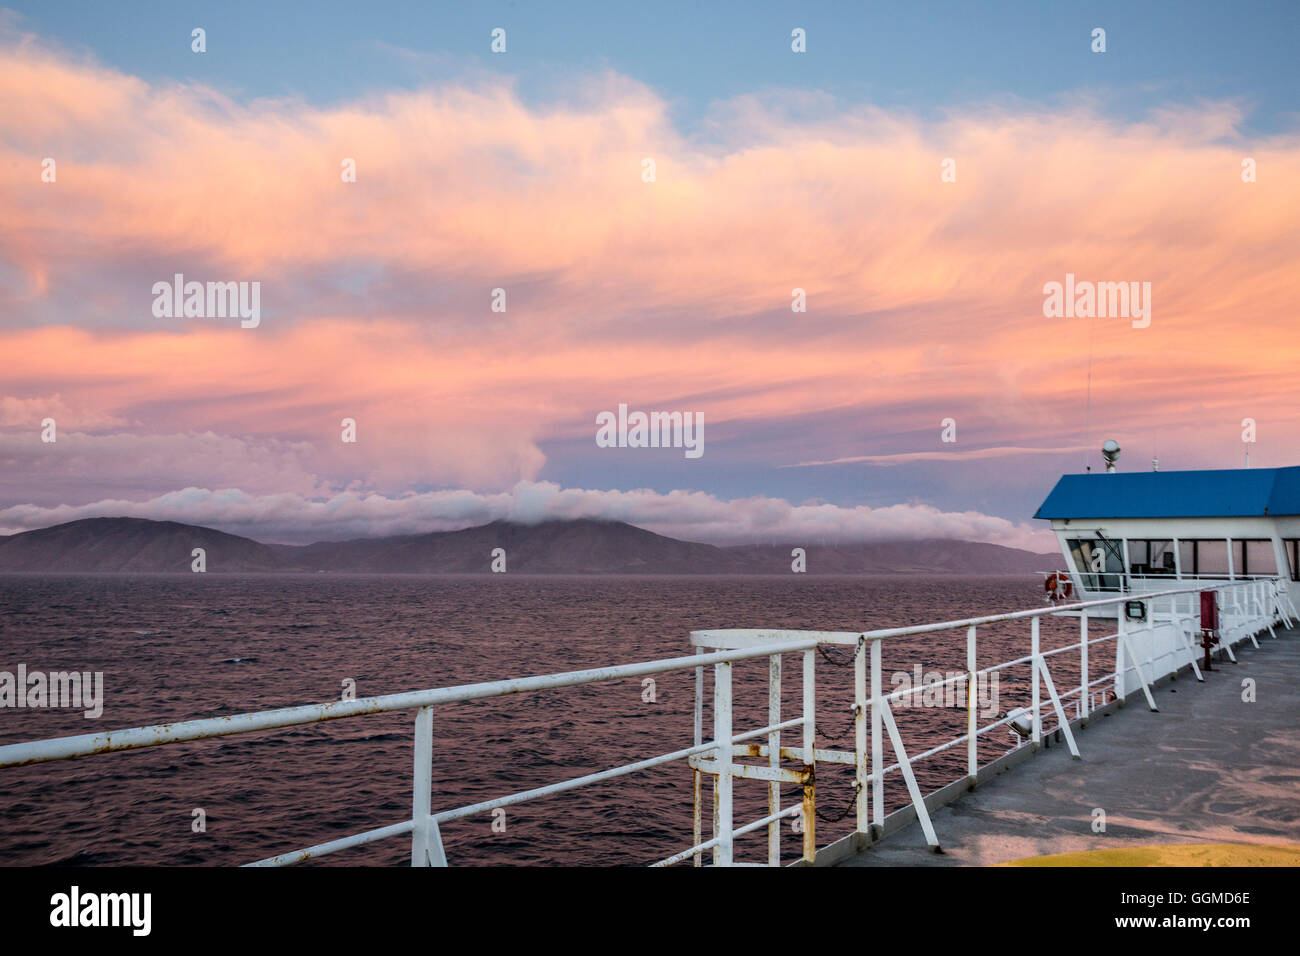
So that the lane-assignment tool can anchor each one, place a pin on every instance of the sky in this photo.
(920, 172)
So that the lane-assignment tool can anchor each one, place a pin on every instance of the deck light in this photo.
(1021, 721)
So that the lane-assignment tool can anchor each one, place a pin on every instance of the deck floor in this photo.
(1206, 768)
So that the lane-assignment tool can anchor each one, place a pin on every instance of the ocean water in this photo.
(186, 646)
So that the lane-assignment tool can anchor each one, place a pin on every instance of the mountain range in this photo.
(579, 546)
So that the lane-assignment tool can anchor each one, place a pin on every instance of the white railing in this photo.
(1169, 617)
(1109, 582)
(426, 839)
(1247, 608)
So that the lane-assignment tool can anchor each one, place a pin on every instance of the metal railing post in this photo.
(972, 722)
(1120, 668)
(860, 761)
(724, 831)
(774, 758)
(697, 821)
(877, 743)
(809, 755)
(1247, 620)
(1084, 687)
(1266, 615)
(1033, 665)
(426, 840)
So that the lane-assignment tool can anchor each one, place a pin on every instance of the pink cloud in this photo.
(924, 296)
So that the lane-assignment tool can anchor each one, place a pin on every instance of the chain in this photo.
(840, 661)
(837, 660)
(826, 816)
(839, 737)
(852, 805)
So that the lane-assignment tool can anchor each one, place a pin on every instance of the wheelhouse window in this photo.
(1204, 556)
(1150, 557)
(1100, 563)
(1253, 557)
(1292, 548)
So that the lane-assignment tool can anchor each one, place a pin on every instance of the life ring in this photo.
(1050, 584)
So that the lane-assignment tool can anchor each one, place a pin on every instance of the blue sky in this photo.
(924, 56)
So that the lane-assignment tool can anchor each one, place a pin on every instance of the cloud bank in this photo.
(690, 515)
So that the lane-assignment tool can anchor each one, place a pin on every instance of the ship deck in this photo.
(1206, 768)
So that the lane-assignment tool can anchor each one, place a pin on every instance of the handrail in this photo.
(82, 745)
(700, 638)
(1093, 580)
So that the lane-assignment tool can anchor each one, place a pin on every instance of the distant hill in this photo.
(580, 546)
(131, 544)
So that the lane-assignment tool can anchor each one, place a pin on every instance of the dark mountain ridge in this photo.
(578, 546)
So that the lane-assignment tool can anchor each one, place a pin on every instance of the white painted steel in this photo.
(877, 740)
(860, 759)
(60, 748)
(426, 843)
(1083, 663)
(809, 753)
(723, 852)
(774, 760)
(972, 680)
(1035, 658)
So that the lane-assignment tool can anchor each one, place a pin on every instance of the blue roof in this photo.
(1226, 493)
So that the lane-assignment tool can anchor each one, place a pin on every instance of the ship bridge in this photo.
(1142, 531)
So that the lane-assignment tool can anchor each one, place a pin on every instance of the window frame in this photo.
(1150, 569)
(1242, 568)
(1196, 556)
(1099, 580)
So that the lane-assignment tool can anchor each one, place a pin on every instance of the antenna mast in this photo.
(1087, 415)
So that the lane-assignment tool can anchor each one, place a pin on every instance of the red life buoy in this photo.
(1050, 584)
(1068, 589)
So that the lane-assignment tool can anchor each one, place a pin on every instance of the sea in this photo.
(176, 647)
